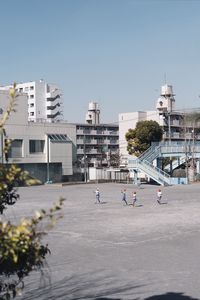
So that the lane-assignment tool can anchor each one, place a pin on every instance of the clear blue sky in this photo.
(115, 52)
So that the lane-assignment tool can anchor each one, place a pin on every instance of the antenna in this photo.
(165, 78)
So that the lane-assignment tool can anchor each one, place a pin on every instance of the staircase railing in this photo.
(151, 153)
(151, 170)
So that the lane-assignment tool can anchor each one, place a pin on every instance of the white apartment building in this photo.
(44, 102)
(97, 143)
(46, 150)
(172, 121)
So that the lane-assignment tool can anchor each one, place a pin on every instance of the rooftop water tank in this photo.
(166, 90)
(93, 106)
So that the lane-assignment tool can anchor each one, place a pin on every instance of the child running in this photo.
(124, 196)
(159, 196)
(97, 195)
(134, 197)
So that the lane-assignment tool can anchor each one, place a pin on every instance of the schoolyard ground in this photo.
(113, 251)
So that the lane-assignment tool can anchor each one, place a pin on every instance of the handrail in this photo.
(150, 152)
(144, 161)
(158, 174)
(150, 149)
(153, 154)
(157, 169)
(176, 163)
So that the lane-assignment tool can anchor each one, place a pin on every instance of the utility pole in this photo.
(186, 153)
(48, 169)
(193, 152)
(84, 152)
(169, 128)
(2, 147)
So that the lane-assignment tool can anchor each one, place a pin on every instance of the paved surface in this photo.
(112, 251)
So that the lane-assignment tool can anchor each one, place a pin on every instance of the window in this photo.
(31, 104)
(31, 88)
(20, 89)
(36, 146)
(31, 113)
(26, 88)
(31, 96)
(15, 149)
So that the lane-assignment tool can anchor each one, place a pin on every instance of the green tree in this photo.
(21, 247)
(140, 138)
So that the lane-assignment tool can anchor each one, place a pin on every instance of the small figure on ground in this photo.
(159, 196)
(124, 196)
(134, 197)
(97, 195)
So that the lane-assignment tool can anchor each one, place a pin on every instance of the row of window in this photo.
(99, 128)
(25, 89)
(90, 138)
(35, 146)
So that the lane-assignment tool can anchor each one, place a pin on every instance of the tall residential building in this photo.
(97, 143)
(44, 101)
(174, 123)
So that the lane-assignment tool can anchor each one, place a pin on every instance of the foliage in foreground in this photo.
(21, 248)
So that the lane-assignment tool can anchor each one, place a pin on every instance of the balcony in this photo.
(53, 95)
(80, 151)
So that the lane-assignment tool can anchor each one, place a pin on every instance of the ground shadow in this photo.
(138, 205)
(105, 298)
(91, 286)
(94, 286)
(171, 296)
(162, 203)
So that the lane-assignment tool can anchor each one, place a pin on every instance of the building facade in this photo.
(44, 101)
(97, 145)
(177, 125)
(46, 150)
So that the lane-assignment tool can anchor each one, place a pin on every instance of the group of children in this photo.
(124, 196)
(134, 197)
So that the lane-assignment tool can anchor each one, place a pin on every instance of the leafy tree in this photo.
(21, 248)
(140, 138)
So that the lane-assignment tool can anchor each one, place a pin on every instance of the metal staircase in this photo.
(175, 163)
(182, 149)
(144, 164)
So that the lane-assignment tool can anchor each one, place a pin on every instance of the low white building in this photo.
(44, 101)
(46, 150)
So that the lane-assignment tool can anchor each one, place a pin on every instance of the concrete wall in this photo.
(62, 152)
(39, 171)
(21, 114)
(17, 127)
